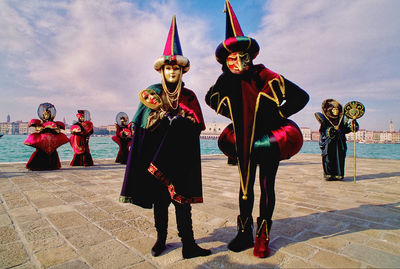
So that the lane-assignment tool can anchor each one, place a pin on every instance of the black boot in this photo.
(244, 237)
(159, 246)
(185, 231)
(190, 249)
(161, 224)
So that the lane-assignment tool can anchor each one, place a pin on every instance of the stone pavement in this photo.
(71, 218)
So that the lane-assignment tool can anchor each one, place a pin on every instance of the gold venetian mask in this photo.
(46, 114)
(172, 73)
(238, 62)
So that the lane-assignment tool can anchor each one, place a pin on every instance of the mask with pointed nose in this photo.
(238, 62)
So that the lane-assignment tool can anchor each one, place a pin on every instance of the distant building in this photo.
(369, 137)
(306, 133)
(391, 127)
(23, 128)
(315, 135)
(110, 128)
(105, 130)
(213, 130)
(14, 128)
(8, 118)
(4, 127)
(396, 137)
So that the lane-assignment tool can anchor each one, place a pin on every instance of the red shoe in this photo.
(261, 248)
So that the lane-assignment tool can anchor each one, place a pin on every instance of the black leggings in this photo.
(268, 169)
(182, 213)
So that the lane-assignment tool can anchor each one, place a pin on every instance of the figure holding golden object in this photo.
(354, 110)
(164, 164)
(47, 138)
(332, 142)
(123, 137)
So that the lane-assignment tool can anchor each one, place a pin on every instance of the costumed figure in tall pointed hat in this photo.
(332, 141)
(123, 137)
(47, 138)
(164, 160)
(79, 140)
(259, 102)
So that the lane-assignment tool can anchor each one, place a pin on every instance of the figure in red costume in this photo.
(47, 138)
(259, 102)
(80, 133)
(123, 137)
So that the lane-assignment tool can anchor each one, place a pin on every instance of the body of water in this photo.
(12, 149)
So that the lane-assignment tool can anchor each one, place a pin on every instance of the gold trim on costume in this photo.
(244, 190)
(319, 119)
(230, 18)
(249, 44)
(173, 36)
(281, 87)
(276, 100)
(212, 95)
(223, 43)
(211, 99)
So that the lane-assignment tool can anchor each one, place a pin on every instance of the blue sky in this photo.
(98, 55)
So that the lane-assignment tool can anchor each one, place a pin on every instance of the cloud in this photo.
(98, 55)
(15, 31)
(341, 49)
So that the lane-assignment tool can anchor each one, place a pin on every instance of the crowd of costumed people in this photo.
(48, 136)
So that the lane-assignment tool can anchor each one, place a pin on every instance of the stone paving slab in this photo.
(71, 218)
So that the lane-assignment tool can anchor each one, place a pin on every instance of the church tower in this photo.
(391, 127)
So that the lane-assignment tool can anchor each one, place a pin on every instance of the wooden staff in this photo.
(354, 110)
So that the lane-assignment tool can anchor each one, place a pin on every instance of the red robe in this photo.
(123, 137)
(46, 141)
(79, 140)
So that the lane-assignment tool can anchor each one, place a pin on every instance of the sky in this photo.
(98, 54)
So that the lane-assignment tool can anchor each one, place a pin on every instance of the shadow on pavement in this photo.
(371, 176)
(224, 261)
(323, 225)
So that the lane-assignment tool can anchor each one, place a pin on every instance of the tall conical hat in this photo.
(173, 51)
(235, 40)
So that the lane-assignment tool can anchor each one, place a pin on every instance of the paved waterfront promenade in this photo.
(71, 218)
